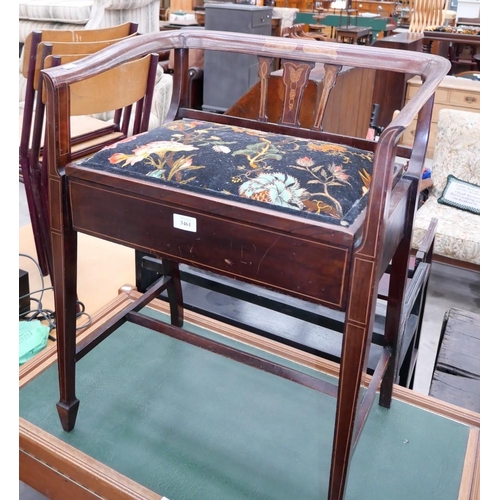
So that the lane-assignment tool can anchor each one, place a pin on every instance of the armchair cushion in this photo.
(458, 231)
(457, 148)
(310, 178)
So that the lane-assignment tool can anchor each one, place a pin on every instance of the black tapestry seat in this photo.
(320, 180)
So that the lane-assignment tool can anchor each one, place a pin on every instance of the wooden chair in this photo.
(287, 32)
(426, 14)
(39, 45)
(31, 65)
(130, 119)
(300, 32)
(274, 221)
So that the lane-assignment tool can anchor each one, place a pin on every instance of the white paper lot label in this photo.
(185, 223)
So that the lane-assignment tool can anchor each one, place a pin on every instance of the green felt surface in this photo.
(189, 424)
(376, 24)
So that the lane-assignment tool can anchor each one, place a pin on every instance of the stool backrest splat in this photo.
(307, 213)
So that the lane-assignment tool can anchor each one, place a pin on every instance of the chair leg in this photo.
(44, 214)
(64, 256)
(35, 214)
(174, 290)
(355, 348)
(148, 269)
(144, 276)
(395, 304)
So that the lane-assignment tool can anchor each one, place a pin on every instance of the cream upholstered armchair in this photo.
(94, 14)
(91, 14)
(454, 196)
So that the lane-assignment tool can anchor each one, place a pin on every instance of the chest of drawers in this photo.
(452, 93)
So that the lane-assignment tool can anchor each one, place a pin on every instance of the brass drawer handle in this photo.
(470, 99)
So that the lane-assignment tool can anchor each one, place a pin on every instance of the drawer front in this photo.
(411, 91)
(469, 100)
(441, 95)
(439, 106)
(256, 255)
(455, 97)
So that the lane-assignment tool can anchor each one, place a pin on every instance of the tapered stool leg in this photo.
(64, 259)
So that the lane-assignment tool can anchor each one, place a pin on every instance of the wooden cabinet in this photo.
(221, 88)
(384, 9)
(452, 93)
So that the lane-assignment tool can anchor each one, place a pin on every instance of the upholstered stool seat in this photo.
(310, 177)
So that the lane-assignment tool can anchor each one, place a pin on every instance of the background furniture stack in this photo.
(427, 14)
(48, 48)
(376, 7)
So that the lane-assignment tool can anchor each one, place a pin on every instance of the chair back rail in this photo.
(76, 36)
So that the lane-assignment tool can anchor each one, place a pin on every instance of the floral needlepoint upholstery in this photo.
(312, 178)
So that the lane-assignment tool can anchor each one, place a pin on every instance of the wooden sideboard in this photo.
(383, 9)
(452, 93)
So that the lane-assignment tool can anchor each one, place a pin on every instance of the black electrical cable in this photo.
(47, 315)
